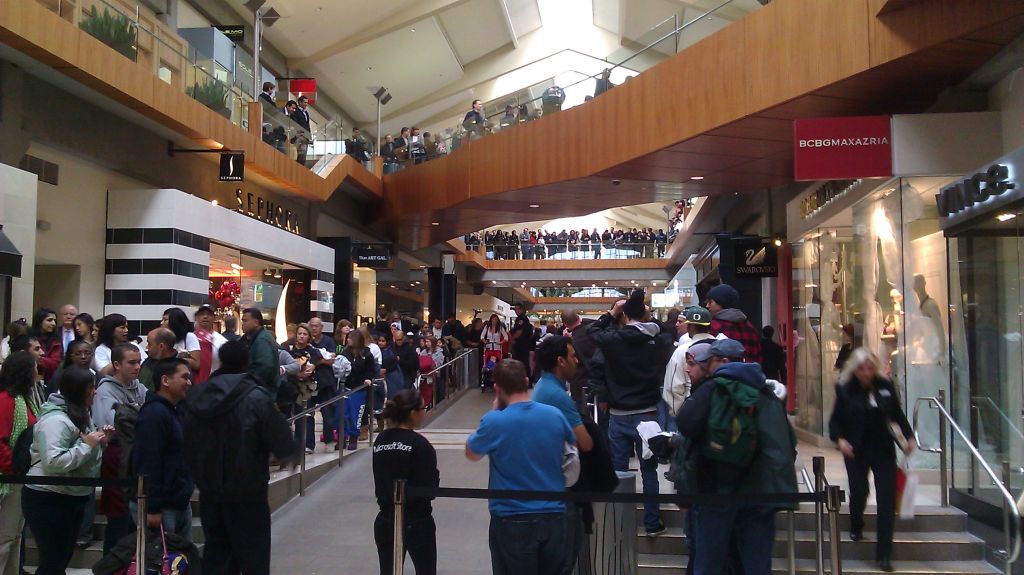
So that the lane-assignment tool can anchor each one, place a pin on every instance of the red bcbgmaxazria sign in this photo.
(842, 148)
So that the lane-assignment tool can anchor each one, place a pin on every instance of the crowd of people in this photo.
(703, 391)
(188, 407)
(571, 244)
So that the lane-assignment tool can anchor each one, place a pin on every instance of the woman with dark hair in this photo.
(18, 412)
(85, 328)
(401, 453)
(79, 354)
(44, 328)
(364, 370)
(315, 383)
(65, 443)
(113, 332)
(186, 342)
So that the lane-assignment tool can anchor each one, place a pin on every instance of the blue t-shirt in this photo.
(550, 391)
(524, 442)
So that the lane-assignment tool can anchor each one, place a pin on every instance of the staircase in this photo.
(935, 542)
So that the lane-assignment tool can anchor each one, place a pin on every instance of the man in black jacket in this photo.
(301, 117)
(635, 354)
(159, 451)
(408, 359)
(231, 428)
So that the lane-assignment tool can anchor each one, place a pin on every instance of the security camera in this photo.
(616, 182)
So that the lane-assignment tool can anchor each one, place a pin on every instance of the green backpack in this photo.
(731, 435)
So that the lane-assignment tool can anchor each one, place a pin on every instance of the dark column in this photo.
(344, 302)
(442, 284)
(750, 288)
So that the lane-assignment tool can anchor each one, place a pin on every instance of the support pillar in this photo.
(344, 300)
(442, 286)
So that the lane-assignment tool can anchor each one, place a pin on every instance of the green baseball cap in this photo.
(697, 315)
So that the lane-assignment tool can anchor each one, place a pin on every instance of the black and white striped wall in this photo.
(158, 253)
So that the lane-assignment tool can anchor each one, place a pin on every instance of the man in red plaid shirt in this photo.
(730, 321)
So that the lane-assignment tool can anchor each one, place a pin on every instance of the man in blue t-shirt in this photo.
(556, 357)
(525, 441)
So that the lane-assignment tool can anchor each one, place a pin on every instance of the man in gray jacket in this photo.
(121, 386)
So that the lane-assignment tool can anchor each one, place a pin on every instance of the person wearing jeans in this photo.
(524, 441)
(753, 528)
(624, 442)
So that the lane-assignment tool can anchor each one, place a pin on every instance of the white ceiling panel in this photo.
(307, 26)
(409, 64)
(525, 16)
(475, 28)
(606, 14)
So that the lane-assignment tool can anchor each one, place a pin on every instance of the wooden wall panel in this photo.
(797, 46)
(917, 26)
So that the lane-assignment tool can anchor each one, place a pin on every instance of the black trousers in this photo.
(237, 536)
(532, 544)
(54, 520)
(420, 540)
(883, 467)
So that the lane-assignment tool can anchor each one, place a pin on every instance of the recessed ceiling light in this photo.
(696, 178)
(215, 202)
(369, 68)
(552, 281)
(494, 281)
(534, 205)
(412, 29)
(1005, 217)
(435, 223)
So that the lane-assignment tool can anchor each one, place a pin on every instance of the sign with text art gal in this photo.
(842, 148)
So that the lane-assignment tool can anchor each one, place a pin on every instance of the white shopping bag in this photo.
(906, 489)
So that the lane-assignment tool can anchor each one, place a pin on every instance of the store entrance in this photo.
(986, 259)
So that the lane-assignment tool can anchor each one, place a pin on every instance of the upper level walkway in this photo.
(720, 111)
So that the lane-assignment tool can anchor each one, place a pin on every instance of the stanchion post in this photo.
(340, 419)
(140, 521)
(819, 513)
(302, 447)
(370, 396)
(791, 541)
(943, 455)
(398, 555)
(833, 528)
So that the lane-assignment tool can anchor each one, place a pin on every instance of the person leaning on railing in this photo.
(65, 443)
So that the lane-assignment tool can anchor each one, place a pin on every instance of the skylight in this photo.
(566, 14)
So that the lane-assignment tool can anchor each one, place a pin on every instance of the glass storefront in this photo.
(872, 275)
(240, 280)
(986, 260)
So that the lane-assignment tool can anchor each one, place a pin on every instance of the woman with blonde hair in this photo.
(867, 423)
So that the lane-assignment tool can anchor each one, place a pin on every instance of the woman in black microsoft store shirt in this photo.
(401, 453)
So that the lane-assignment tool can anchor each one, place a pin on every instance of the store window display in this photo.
(872, 275)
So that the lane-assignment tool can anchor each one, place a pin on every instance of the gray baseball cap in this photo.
(728, 348)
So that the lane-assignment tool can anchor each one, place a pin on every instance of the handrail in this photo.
(1012, 507)
(331, 401)
(1001, 414)
(446, 364)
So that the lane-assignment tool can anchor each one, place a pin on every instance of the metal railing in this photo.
(309, 412)
(826, 498)
(461, 376)
(589, 250)
(1011, 506)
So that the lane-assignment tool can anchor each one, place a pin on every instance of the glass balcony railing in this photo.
(574, 88)
(613, 250)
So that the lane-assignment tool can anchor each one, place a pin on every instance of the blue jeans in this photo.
(666, 420)
(177, 521)
(625, 442)
(533, 544)
(753, 528)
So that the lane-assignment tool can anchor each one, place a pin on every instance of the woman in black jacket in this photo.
(867, 421)
(364, 370)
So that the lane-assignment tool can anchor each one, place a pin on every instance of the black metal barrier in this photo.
(827, 499)
(140, 519)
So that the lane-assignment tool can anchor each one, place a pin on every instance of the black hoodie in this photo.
(231, 428)
(635, 358)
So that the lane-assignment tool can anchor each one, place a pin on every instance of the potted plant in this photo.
(212, 94)
(114, 30)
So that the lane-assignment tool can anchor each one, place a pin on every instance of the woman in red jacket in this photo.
(44, 328)
(17, 412)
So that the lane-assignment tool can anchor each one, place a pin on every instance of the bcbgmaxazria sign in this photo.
(843, 148)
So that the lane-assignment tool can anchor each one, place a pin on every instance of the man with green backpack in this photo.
(740, 443)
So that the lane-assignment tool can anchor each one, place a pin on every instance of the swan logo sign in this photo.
(842, 148)
(756, 258)
(232, 166)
